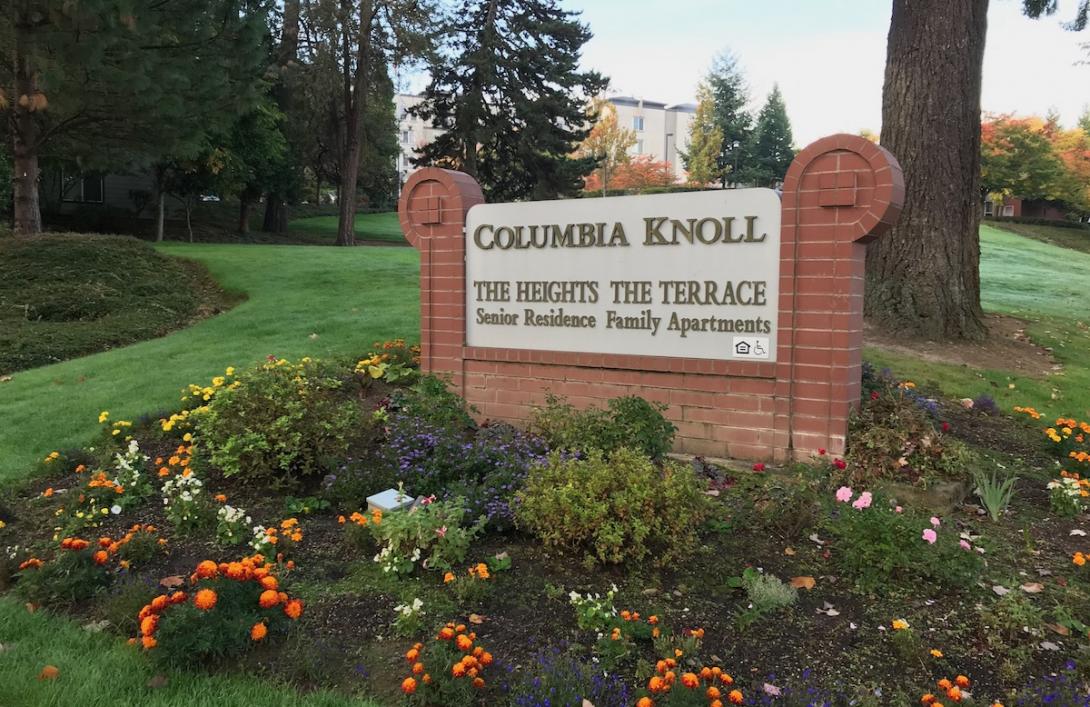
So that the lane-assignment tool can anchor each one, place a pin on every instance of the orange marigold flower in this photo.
(656, 684)
(458, 670)
(149, 642)
(293, 608)
(715, 703)
(418, 668)
(149, 624)
(962, 681)
(408, 686)
(945, 684)
(105, 542)
(927, 699)
(463, 643)
(412, 655)
(478, 683)
(645, 702)
(177, 597)
(207, 569)
(690, 680)
(726, 679)
(735, 697)
(448, 578)
(954, 693)
(269, 582)
(205, 599)
(159, 603)
(220, 498)
(713, 693)
(101, 557)
(259, 631)
(446, 633)
(486, 659)
(268, 599)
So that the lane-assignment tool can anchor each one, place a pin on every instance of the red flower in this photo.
(874, 395)
(821, 451)
(759, 466)
(945, 426)
(840, 464)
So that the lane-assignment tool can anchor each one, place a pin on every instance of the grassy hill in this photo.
(382, 227)
(68, 295)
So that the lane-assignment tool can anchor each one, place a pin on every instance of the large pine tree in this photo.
(773, 143)
(508, 93)
(730, 95)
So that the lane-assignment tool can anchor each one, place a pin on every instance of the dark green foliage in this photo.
(284, 422)
(614, 510)
(63, 296)
(627, 422)
(122, 602)
(70, 578)
(507, 91)
(773, 148)
(878, 547)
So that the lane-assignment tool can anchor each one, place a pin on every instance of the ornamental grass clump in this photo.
(452, 670)
(618, 509)
(282, 422)
(226, 609)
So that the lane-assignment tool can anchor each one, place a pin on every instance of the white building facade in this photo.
(662, 130)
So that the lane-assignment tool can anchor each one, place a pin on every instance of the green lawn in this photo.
(1044, 284)
(301, 300)
(1076, 238)
(369, 227)
(98, 670)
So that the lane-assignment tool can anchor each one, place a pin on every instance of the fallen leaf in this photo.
(476, 619)
(1062, 630)
(712, 492)
(789, 551)
(1044, 573)
(1080, 533)
(97, 626)
(1049, 646)
(805, 582)
(172, 582)
(31, 607)
(1033, 588)
(157, 681)
(49, 672)
(1001, 590)
(827, 609)
(502, 555)
(5, 379)
(815, 538)
(587, 703)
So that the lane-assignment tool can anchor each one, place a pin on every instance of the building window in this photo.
(989, 208)
(637, 122)
(1008, 210)
(406, 136)
(639, 147)
(82, 188)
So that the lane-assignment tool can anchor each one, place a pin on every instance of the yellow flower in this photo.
(936, 653)
(103, 416)
(3, 525)
(899, 624)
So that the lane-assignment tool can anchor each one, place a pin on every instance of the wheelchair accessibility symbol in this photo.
(751, 347)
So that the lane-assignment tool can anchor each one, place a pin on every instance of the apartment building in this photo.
(662, 130)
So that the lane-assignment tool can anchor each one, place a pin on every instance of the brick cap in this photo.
(889, 183)
(433, 197)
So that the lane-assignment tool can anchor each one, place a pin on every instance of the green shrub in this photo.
(435, 533)
(281, 422)
(72, 577)
(629, 421)
(878, 546)
(431, 401)
(616, 509)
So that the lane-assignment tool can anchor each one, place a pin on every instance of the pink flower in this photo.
(930, 536)
(898, 509)
(863, 501)
(427, 500)
(441, 532)
(874, 395)
(935, 522)
(821, 452)
(840, 464)
(759, 466)
(965, 545)
(844, 494)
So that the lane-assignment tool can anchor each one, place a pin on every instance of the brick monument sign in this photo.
(741, 310)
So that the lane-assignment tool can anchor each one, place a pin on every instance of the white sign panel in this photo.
(693, 275)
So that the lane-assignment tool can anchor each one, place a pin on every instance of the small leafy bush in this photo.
(766, 594)
(629, 421)
(77, 573)
(616, 509)
(878, 545)
(436, 533)
(282, 422)
(228, 609)
(895, 435)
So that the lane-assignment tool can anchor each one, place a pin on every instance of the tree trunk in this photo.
(188, 203)
(923, 278)
(25, 133)
(276, 214)
(244, 204)
(355, 89)
(160, 214)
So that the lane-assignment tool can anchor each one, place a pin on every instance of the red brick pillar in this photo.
(840, 192)
(432, 210)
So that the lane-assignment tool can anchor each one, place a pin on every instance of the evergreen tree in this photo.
(110, 83)
(508, 94)
(731, 95)
(773, 148)
(705, 141)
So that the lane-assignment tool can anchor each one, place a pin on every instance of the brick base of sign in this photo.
(840, 192)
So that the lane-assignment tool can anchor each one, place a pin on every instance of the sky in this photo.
(828, 56)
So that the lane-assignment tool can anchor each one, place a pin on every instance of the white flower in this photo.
(115, 509)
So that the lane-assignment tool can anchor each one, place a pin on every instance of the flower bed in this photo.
(552, 565)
